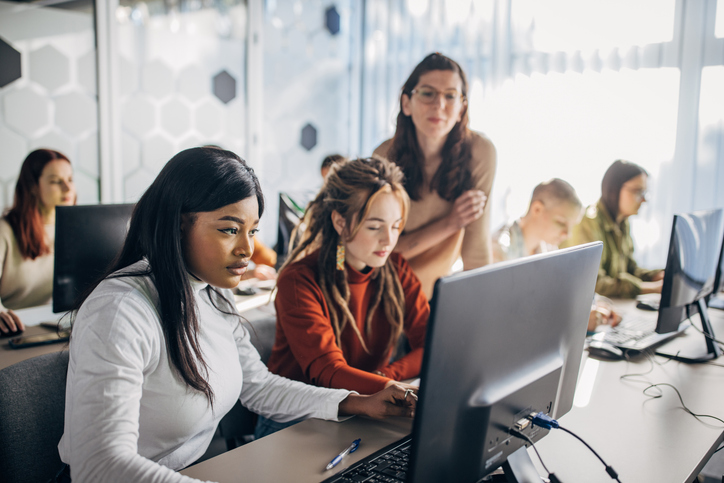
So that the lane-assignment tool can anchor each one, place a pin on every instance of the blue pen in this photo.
(351, 449)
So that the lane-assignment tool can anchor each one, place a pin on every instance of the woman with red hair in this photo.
(27, 234)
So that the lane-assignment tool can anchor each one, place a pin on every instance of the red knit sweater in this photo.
(305, 348)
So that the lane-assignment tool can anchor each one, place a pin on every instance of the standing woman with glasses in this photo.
(27, 234)
(623, 191)
(448, 169)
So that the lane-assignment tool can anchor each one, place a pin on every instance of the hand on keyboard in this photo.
(394, 400)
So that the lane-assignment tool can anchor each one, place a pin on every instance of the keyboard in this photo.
(637, 333)
(388, 465)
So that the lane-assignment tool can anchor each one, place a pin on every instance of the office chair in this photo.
(237, 427)
(32, 411)
(290, 214)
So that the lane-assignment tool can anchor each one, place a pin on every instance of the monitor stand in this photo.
(519, 468)
(716, 302)
(698, 355)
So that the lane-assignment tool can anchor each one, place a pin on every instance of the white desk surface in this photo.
(644, 439)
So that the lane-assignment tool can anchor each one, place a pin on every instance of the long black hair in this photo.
(195, 180)
(616, 176)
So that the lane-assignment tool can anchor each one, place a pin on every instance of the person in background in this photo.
(623, 190)
(553, 211)
(342, 308)
(158, 352)
(448, 170)
(27, 234)
(327, 163)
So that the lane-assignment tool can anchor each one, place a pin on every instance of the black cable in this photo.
(609, 469)
(520, 435)
(681, 399)
(715, 452)
(691, 323)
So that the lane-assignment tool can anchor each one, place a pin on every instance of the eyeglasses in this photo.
(429, 95)
(639, 193)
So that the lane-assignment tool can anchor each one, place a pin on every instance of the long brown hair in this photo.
(616, 175)
(350, 189)
(453, 176)
(24, 216)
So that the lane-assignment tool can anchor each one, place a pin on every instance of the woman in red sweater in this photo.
(344, 298)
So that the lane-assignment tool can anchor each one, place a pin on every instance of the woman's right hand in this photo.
(467, 208)
(394, 400)
(10, 322)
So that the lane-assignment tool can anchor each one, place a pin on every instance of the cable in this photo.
(681, 399)
(691, 323)
(609, 469)
(520, 435)
(547, 422)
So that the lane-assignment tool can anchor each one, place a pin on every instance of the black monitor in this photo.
(503, 341)
(691, 266)
(290, 215)
(87, 240)
(715, 300)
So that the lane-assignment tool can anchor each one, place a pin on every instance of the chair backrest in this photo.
(290, 214)
(32, 411)
(239, 423)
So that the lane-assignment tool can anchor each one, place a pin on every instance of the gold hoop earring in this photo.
(340, 256)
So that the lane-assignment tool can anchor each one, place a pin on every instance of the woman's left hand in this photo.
(394, 400)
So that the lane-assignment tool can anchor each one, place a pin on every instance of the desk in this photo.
(33, 316)
(644, 439)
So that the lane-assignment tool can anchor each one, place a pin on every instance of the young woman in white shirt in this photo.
(158, 353)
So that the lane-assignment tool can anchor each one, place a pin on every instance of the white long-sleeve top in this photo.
(130, 417)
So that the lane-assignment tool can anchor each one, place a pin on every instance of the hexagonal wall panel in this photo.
(88, 155)
(129, 76)
(130, 153)
(14, 150)
(155, 152)
(87, 72)
(55, 140)
(49, 67)
(207, 119)
(10, 70)
(26, 111)
(224, 86)
(86, 187)
(175, 117)
(309, 137)
(139, 116)
(136, 184)
(193, 83)
(331, 20)
(75, 113)
(157, 79)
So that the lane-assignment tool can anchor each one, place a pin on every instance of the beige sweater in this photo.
(472, 242)
(24, 282)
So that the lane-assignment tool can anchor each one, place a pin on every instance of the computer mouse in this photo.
(605, 350)
(10, 334)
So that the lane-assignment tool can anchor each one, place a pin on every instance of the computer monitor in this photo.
(715, 300)
(691, 266)
(87, 240)
(503, 341)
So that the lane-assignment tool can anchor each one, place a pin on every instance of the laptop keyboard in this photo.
(388, 465)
